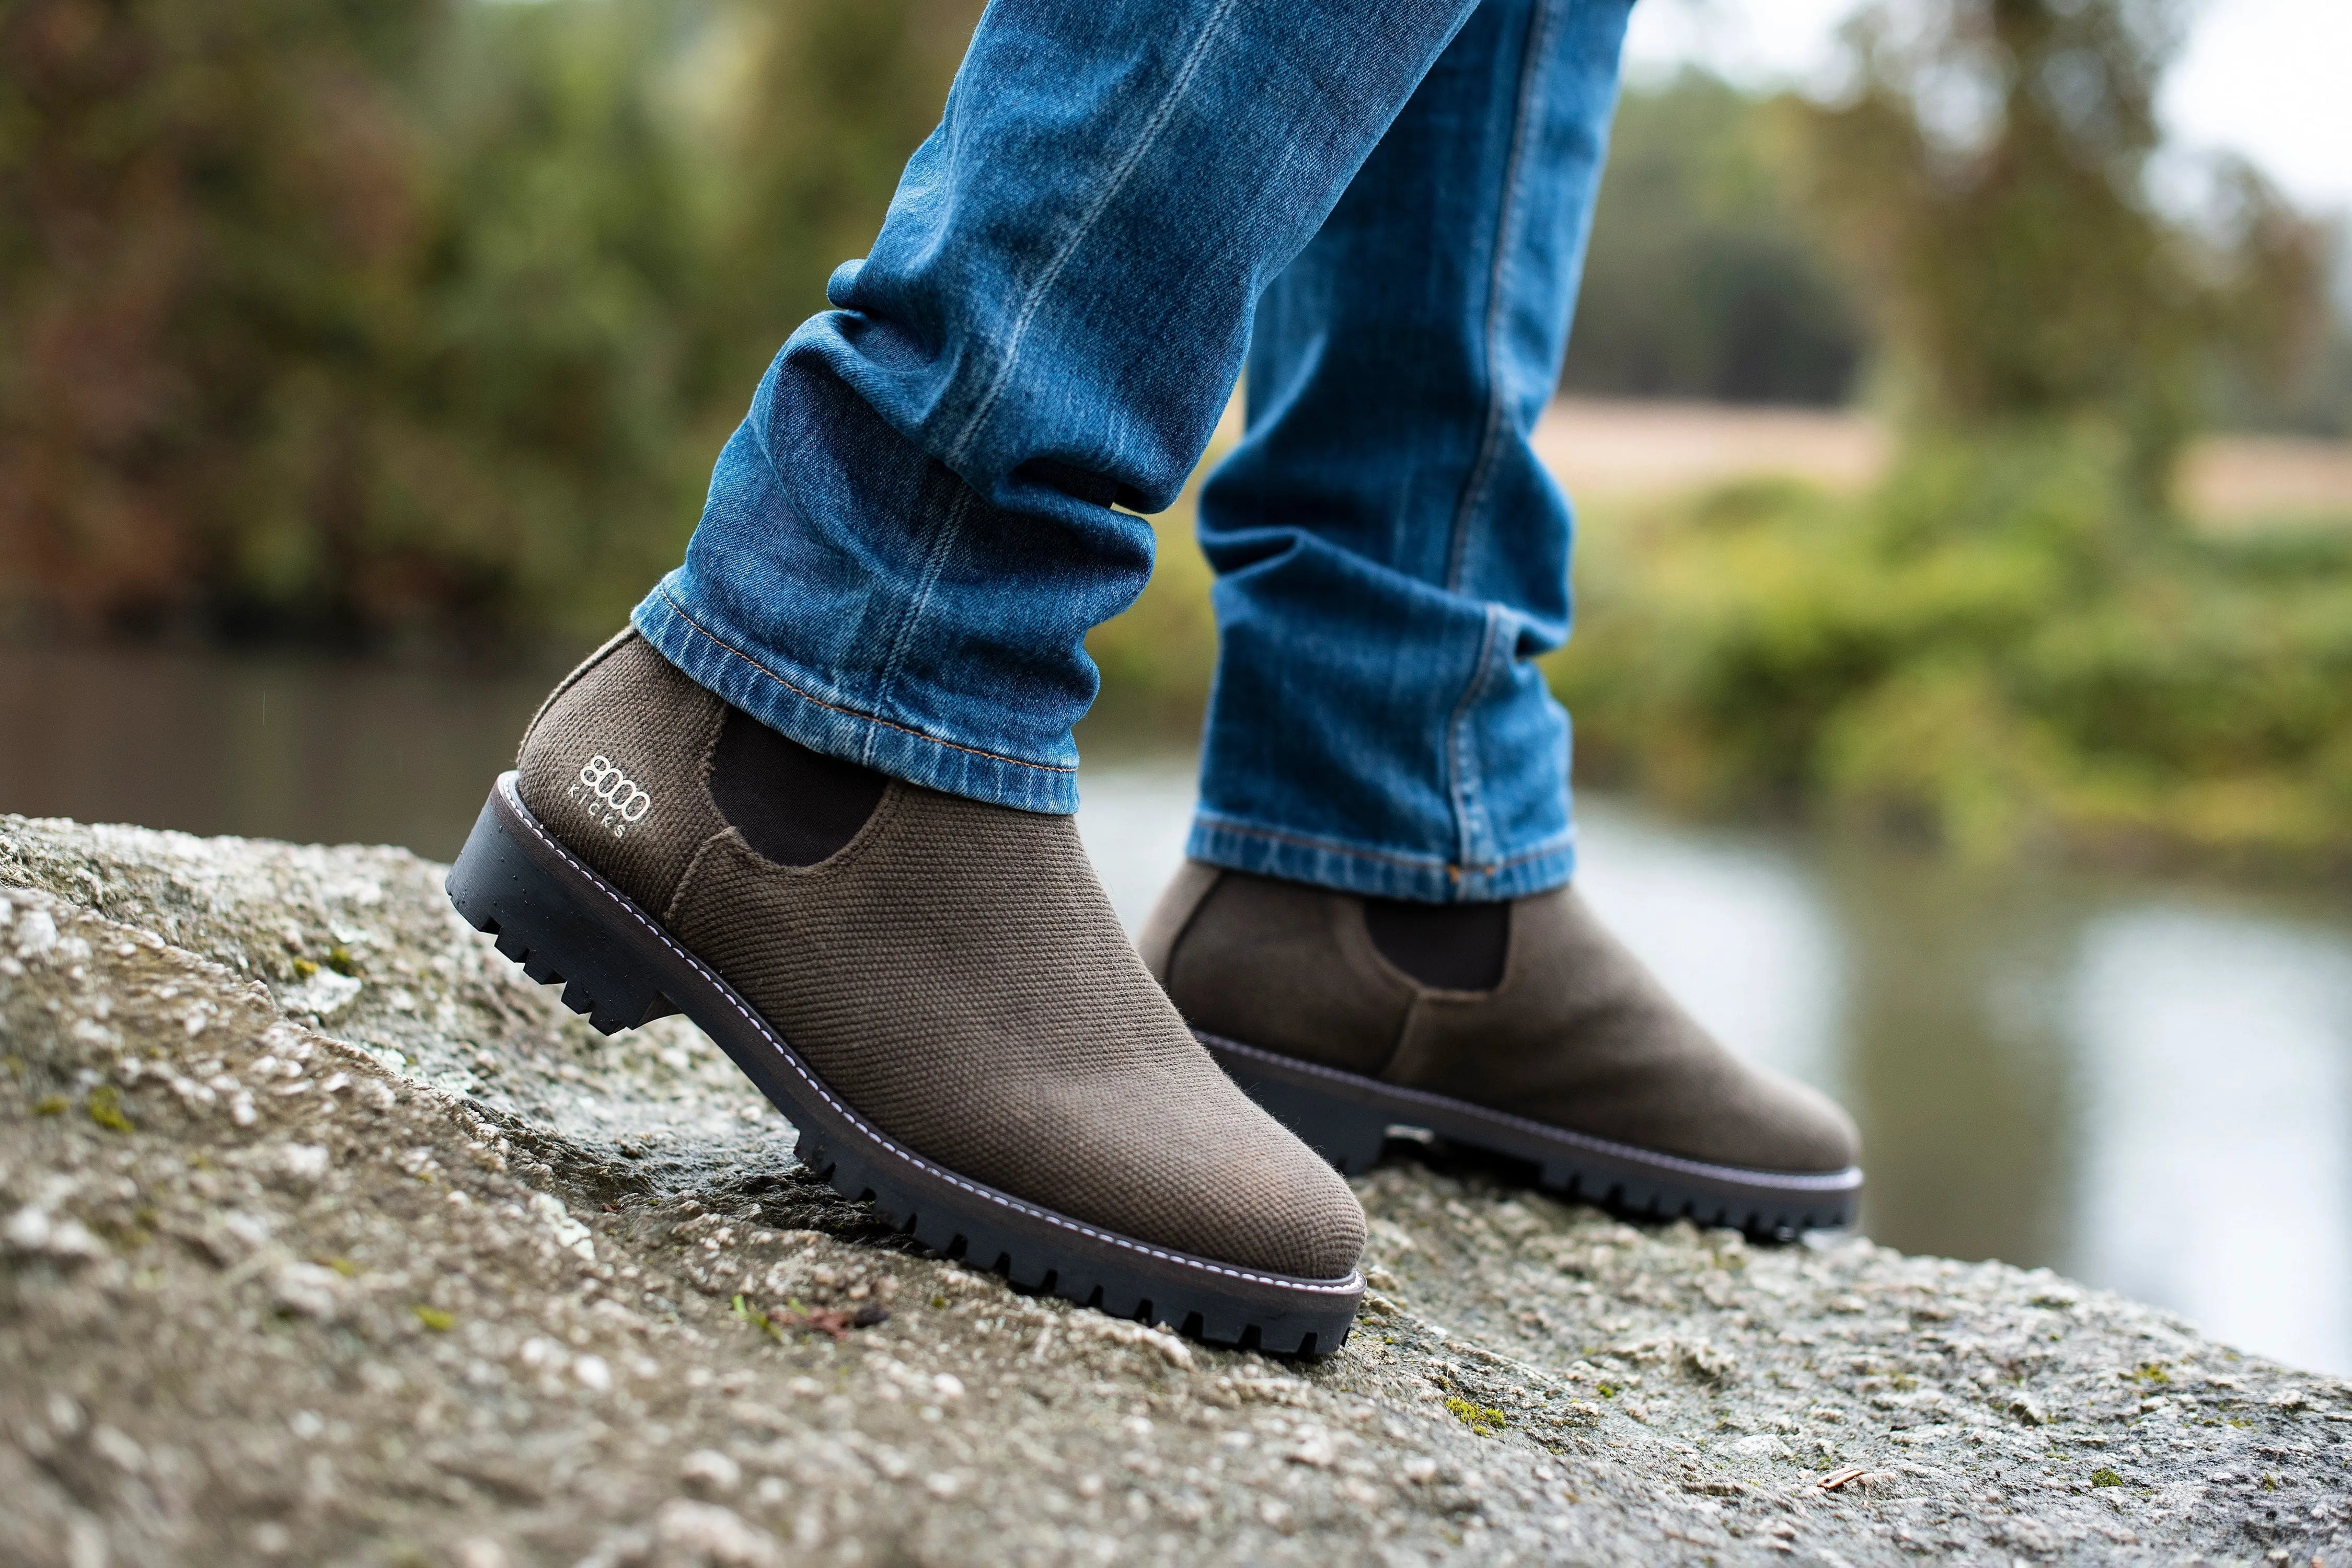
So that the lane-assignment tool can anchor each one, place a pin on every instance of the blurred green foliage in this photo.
(348, 319)
(209, 217)
(1989, 178)
(1704, 278)
(1990, 654)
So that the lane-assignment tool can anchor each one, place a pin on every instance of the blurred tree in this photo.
(1704, 278)
(1989, 173)
(338, 318)
(209, 214)
(2306, 390)
(553, 438)
(825, 102)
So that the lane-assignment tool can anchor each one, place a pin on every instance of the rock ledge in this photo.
(325, 1237)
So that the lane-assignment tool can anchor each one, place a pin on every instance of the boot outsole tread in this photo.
(565, 924)
(1348, 1119)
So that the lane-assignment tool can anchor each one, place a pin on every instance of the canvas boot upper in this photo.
(951, 969)
(1576, 1033)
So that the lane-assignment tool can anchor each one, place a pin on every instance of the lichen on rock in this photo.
(414, 1268)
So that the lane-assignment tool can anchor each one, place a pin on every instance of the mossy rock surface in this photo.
(391, 1260)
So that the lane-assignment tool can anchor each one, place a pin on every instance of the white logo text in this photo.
(619, 800)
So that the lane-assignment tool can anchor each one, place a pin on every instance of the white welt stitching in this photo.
(1836, 1180)
(1351, 1284)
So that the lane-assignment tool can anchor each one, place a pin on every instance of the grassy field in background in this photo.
(1610, 450)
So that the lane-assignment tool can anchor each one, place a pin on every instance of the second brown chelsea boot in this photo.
(934, 990)
(1522, 1028)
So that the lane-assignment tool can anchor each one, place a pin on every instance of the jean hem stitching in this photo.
(1216, 824)
(725, 647)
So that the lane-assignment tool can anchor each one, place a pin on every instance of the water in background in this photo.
(2145, 1084)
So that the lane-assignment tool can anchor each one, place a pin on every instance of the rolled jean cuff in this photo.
(785, 700)
(1269, 851)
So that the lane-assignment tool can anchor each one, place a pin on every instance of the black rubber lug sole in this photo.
(1348, 1119)
(503, 892)
(562, 922)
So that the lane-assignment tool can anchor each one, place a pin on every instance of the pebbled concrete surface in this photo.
(327, 1238)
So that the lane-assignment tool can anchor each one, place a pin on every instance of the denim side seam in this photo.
(962, 446)
(935, 560)
(1473, 837)
(1266, 851)
(1474, 843)
(1506, 222)
(717, 664)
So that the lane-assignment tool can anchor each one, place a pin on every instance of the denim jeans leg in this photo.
(909, 536)
(1391, 556)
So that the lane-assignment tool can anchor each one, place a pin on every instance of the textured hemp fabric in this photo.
(956, 974)
(1290, 968)
(1578, 1035)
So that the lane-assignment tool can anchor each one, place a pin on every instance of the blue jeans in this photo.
(1383, 205)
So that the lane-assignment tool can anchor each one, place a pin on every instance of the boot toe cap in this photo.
(1245, 1191)
(1795, 1126)
(1294, 1215)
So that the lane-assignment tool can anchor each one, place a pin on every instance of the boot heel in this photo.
(1350, 1136)
(503, 891)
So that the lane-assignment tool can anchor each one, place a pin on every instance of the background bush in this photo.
(346, 320)
(1988, 654)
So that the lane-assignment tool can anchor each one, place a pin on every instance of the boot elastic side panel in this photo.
(1288, 968)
